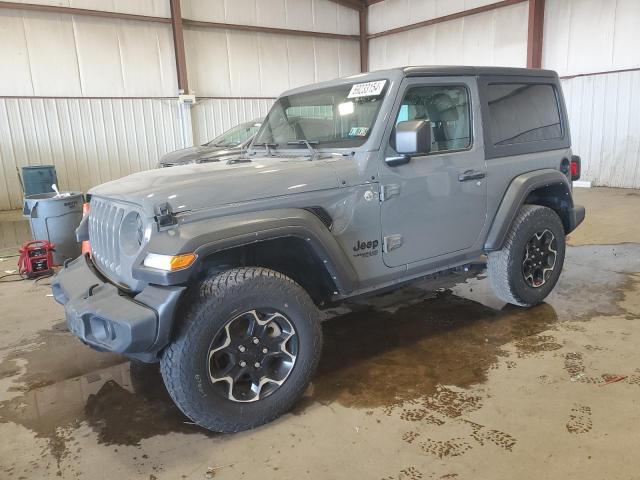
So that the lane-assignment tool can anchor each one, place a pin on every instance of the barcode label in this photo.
(368, 89)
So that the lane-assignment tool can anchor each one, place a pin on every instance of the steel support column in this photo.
(178, 45)
(535, 33)
(364, 41)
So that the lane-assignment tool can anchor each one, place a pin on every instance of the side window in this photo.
(521, 113)
(447, 108)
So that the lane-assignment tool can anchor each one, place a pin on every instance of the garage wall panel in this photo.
(14, 56)
(56, 55)
(312, 15)
(85, 68)
(147, 57)
(497, 37)
(587, 36)
(301, 64)
(213, 116)
(207, 57)
(398, 13)
(605, 127)
(348, 21)
(272, 50)
(153, 8)
(583, 37)
(348, 58)
(271, 14)
(243, 12)
(90, 141)
(99, 58)
(52, 54)
(242, 64)
(326, 53)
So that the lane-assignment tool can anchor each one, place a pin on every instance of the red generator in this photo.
(36, 259)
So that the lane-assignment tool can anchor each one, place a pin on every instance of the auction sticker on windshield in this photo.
(368, 89)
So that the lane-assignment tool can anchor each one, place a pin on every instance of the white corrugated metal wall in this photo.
(497, 37)
(581, 37)
(259, 66)
(212, 116)
(55, 65)
(604, 114)
(587, 37)
(66, 59)
(90, 141)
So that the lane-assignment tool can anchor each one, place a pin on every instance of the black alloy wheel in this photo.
(252, 355)
(539, 258)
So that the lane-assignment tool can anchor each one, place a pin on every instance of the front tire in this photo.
(528, 267)
(245, 350)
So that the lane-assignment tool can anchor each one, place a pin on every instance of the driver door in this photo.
(435, 205)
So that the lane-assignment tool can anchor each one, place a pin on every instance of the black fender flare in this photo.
(515, 196)
(217, 234)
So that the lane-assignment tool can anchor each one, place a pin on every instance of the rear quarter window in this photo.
(521, 113)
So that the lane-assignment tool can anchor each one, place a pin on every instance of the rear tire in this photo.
(528, 267)
(236, 316)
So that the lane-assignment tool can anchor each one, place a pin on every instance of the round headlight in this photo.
(131, 233)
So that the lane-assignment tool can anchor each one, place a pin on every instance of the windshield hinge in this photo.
(164, 216)
(389, 191)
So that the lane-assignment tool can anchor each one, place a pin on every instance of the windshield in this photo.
(333, 117)
(236, 136)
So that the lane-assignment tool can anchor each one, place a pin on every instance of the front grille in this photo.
(104, 225)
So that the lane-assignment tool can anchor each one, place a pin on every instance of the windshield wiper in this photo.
(308, 144)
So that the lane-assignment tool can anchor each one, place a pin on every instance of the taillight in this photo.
(575, 167)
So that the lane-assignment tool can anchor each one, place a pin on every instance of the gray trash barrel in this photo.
(38, 179)
(55, 219)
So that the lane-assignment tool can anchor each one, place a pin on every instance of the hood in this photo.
(192, 154)
(196, 186)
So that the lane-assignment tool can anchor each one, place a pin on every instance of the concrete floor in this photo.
(412, 385)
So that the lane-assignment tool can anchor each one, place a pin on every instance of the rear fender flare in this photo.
(515, 196)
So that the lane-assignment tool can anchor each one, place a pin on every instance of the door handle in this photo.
(471, 175)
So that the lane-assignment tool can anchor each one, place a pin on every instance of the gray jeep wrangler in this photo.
(350, 187)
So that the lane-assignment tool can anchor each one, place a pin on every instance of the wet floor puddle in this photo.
(370, 359)
(424, 352)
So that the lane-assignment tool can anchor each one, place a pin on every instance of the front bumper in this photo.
(108, 319)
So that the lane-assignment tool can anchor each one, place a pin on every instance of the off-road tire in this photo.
(219, 298)
(505, 267)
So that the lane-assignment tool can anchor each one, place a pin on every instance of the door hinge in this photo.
(388, 191)
(391, 242)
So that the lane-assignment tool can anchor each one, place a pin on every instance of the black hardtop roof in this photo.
(453, 70)
(427, 71)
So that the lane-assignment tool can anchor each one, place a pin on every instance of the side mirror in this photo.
(411, 138)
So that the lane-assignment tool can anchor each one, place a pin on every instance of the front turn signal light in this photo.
(169, 263)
